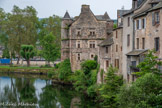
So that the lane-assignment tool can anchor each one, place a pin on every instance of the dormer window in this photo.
(153, 4)
(78, 32)
(155, 18)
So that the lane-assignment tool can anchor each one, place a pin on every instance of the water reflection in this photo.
(40, 92)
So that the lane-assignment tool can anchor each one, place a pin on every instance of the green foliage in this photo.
(115, 26)
(144, 93)
(88, 65)
(86, 78)
(149, 64)
(96, 58)
(21, 28)
(50, 50)
(101, 75)
(51, 25)
(64, 70)
(50, 73)
(27, 52)
(6, 53)
(111, 88)
(80, 81)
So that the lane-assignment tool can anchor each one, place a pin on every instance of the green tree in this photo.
(144, 93)
(6, 54)
(21, 28)
(149, 64)
(64, 70)
(111, 88)
(115, 26)
(51, 25)
(27, 52)
(50, 50)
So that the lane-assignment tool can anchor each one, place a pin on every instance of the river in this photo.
(29, 91)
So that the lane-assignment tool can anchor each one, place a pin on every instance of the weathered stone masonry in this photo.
(81, 36)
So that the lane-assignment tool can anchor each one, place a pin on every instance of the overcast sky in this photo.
(46, 8)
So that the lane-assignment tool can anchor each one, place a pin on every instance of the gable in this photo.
(86, 17)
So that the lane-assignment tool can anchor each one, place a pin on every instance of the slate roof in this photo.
(158, 6)
(120, 13)
(106, 42)
(66, 16)
(136, 52)
(103, 17)
(155, 1)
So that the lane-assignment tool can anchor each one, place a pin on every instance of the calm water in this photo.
(38, 92)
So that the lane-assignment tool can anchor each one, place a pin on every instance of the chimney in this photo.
(134, 4)
(85, 8)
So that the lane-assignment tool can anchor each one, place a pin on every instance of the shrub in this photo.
(111, 88)
(64, 69)
(144, 93)
(88, 65)
(50, 73)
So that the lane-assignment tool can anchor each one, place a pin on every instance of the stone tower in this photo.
(65, 42)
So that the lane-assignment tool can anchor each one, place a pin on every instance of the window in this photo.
(107, 64)
(137, 24)
(157, 44)
(134, 63)
(116, 48)
(143, 43)
(137, 43)
(91, 44)
(116, 34)
(92, 56)
(128, 21)
(92, 33)
(78, 44)
(128, 40)
(154, 4)
(128, 77)
(133, 78)
(79, 57)
(117, 63)
(160, 68)
(144, 23)
(107, 49)
(155, 18)
(78, 32)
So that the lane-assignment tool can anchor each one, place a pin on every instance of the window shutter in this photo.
(153, 18)
(135, 24)
(145, 22)
(139, 23)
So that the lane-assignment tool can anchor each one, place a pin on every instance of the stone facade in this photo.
(81, 36)
(146, 26)
(138, 31)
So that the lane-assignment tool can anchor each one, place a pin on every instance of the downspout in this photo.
(133, 35)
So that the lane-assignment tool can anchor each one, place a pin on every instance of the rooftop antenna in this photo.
(122, 8)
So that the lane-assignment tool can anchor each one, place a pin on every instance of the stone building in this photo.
(111, 49)
(145, 28)
(139, 30)
(81, 35)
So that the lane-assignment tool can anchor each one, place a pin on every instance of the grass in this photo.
(22, 69)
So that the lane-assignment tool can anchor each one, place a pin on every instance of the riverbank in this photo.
(26, 70)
